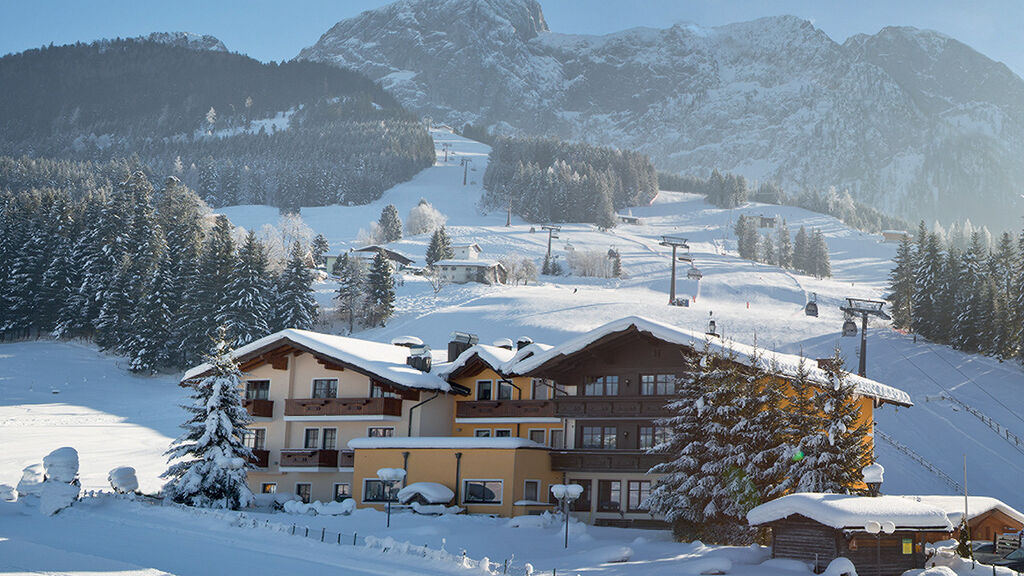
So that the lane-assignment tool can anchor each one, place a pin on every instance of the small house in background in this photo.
(369, 252)
(466, 266)
(884, 535)
(629, 219)
(766, 221)
(894, 236)
(987, 518)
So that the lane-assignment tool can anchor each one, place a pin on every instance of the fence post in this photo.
(293, 529)
(323, 533)
(339, 538)
(307, 531)
(354, 535)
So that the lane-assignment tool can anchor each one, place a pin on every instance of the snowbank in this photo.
(840, 567)
(56, 496)
(708, 565)
(853, 512)
(431, 492)
(434, 509)
(61, 465)
(123, 480)
(8, 493)
(343, 508)
(31, 480)
(391, 474)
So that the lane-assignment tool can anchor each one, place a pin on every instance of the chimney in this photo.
(419, 358)
(523, 342)
(459, 343)
(505, 343)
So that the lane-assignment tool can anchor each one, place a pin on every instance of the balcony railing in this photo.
(259, 408)
(309, 458)
(605, 460)
(612, 406)
(505, 409)
(343, 407)
(260, 458)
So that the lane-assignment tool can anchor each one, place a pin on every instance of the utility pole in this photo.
(675, 242)
(465, 168)
(551, 228)
(864, 308)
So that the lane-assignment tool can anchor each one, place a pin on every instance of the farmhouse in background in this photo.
(368, 252)
(466, 266)
(894, 236)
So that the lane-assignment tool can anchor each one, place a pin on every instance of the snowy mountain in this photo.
(188, 40)
(909, 120)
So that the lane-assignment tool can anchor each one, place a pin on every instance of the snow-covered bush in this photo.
(520, 269)
(8, 493)
(123, 480)
(61, 465)
(31, 480)
(425, 493)
(840, 567)
(372, 234)
(56, 496)
(590, 263)
(423, 219)
(343, 508)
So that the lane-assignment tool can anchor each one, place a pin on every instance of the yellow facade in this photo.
(513, 467)
(538, 429)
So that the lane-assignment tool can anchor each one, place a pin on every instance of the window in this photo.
(503, 433)
(537, 435)
(482, 433)
(256, 439)
(531, 490)
(378, 391)
(482, 492)
(342, 492)
(602, 386)
(380, 432)
(599, 437)
(268, 488)
(325, 388)
(312, 439)
(582, 504)
(504, 391)
(558, 439)
(303, 490)
(540, 389)
(373, 491)
(257, 389)
(639, 490)
(609, 496)
(651, 436)
(483, 389)
(330, 439)
(657, 384)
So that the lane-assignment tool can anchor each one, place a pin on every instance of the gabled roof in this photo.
(385, 362)
(786, 364)
(469, 263)
(501, 360)
(388, 253)
(474, 246)
(953, 506)
(848, 512)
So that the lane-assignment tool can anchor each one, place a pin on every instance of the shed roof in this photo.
(953, 506)
(848, 512)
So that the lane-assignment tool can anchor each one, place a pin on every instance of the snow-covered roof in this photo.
(469, 263)
(384, 361)
(843, 511)
(787, 364)
(463, 442)
(501, 360)
(953, 506)
(432, 492)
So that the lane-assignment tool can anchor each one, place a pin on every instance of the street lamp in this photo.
(389, 477)
(566, 494)
(873, 478)
(877, 528)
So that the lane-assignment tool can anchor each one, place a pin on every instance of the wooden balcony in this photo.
(343, 407)
(612, 406)
(259, 408)
(505, 409)
(605, 460)
(260, 458)
(309, 458)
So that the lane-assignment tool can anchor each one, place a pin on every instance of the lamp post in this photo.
(389, 477)
(566, 494)
(873, 478)
(877, 528)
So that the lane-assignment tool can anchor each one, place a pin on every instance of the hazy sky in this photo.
(277, 30)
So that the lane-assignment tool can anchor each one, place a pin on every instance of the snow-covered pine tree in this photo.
(112, 326)
(1004, 267)
(208, 182)
(152, 345)
(928, 287)
(179, 214)
(205, 299)
(319, 248)
(767, 251)
(837, 451)
(75, 317)
(970, 295)
(351, 288)
(247, 307)
(784, 248)
(819, 257)
(209, 461)
(390, 224)
(901, 285)
(380, 299)
(801, 251)
(766, 450)
(440, 247)
(798, 427)
(616, 259)
(296, 307)
(605, 217)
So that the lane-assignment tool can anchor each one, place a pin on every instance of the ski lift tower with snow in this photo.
(675, 242)
(863, 308)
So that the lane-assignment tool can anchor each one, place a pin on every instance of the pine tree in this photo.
(206, 296)
(901, 285)
(767, 251)
(351, 288)
(380, 300)
(969, 285)
(390, 224)
(319, 249)
(801, 252)
(605, 216)
(928, 288)
(765, 454)
(152, 345)
(440, 247)
(784, 251)
(837, 451)
(800, 424)
(820, 263)
(296, 307)
(208, 182)
(209, 461)
(247, 306)
(616, 259)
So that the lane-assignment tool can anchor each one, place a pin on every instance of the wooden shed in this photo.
(884, 535)
(987, 518)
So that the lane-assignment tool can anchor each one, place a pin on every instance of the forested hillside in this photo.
(234, 129)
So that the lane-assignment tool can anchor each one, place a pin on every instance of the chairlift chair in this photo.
(812, 306)
(694, 273)
(712, 328)
(849, 327)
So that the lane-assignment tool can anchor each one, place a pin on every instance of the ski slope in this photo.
(750, 303)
